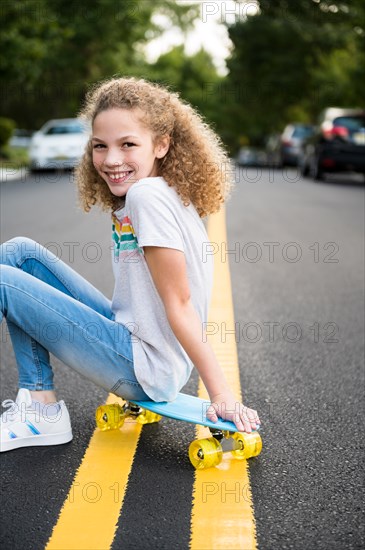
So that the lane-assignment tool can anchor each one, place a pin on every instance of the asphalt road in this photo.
(296, 252)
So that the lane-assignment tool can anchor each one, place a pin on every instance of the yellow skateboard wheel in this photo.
(250, 444)
(148, 417)
(109, 417)
(205, 453)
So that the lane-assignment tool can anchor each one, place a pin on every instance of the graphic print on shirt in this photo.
(124, 237)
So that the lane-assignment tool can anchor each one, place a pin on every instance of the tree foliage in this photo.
(290, 61)
(194, 77)
(52, 49)
(6, 130)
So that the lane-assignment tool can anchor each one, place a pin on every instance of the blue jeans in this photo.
(50, 308)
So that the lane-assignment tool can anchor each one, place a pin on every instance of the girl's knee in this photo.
(12, 251)
(20, 242)
(7, 274)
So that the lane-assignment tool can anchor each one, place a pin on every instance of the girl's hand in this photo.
(225, 406)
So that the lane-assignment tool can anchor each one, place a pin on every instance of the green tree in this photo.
(291, 60)
(194, 77)
(52, 49)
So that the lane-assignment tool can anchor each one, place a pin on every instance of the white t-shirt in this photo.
(154, 215)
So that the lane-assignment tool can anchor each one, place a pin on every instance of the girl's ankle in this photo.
(43, 396)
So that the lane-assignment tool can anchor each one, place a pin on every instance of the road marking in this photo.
(89, 517)
(222, 513)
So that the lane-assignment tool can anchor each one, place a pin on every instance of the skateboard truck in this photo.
(112, 417)
(131, 409)
(228, 443)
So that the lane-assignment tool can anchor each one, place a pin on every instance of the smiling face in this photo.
(124, 150)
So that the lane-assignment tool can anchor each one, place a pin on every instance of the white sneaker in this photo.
(24, 426)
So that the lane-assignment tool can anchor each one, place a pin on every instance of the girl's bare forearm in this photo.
(189, 331)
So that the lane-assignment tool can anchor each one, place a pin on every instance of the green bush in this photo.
(7, 126)
(14, 157)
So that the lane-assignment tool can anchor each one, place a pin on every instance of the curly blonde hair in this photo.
(196, 164)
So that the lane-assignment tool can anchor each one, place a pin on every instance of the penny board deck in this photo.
(187, 408)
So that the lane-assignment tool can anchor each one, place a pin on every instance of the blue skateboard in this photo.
(203, 453)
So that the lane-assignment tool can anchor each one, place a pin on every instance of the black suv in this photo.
(338, 144)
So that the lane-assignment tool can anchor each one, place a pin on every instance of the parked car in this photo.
(60, 143)
(250, 156)
(285, 149)
(21, 138)
(338, 145)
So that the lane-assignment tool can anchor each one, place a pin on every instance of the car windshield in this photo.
(352, 123)
(58, 129)
(303, 131)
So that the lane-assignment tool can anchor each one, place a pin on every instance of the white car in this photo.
(60, 143)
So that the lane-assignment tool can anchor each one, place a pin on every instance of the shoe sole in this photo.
(36, 440)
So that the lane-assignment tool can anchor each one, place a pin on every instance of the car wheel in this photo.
(304, 169)
(317, 172)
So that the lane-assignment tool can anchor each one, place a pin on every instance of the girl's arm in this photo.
(168, 271)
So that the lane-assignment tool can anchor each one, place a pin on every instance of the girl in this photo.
(157, 167)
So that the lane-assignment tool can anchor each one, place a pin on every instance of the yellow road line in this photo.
(222, 513)
(89, 516)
